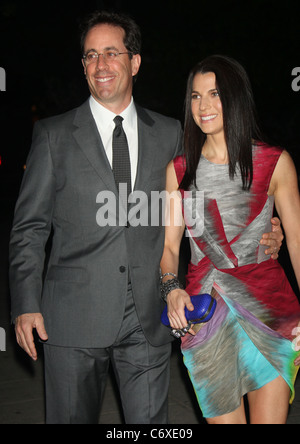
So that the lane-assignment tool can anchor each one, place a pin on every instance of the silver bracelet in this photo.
(168, 286)
(167, 274)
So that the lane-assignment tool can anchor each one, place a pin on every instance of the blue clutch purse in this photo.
(204, 308)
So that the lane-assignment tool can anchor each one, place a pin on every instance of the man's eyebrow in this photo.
(108, 48)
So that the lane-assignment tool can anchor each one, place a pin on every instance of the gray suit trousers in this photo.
(76, 378)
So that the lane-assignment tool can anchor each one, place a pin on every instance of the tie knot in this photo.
(118, 120)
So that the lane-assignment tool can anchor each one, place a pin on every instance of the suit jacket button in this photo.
(122, 269)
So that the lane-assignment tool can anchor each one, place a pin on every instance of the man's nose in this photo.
(101, 62)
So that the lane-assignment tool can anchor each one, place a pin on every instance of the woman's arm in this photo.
(177, 299)
(284, 186)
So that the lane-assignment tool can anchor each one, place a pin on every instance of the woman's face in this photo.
(206, 104)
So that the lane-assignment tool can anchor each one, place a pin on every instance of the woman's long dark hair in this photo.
(239, 117)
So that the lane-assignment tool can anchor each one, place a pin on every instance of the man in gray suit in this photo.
(100, 299)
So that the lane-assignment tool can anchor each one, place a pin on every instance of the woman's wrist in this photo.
(169, 284)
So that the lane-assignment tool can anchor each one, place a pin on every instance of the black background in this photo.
(39, 50)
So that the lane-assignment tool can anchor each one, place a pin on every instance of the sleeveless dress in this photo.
(248, 342)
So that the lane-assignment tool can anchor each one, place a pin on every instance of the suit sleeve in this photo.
(179, 146)
(32, 227)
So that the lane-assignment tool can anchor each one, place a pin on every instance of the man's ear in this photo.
(135, 64)
(83, 64)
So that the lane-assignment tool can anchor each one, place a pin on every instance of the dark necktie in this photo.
(121, 159)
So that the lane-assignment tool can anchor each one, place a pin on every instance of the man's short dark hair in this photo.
(132, 39)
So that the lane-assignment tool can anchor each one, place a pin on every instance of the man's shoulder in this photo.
(156, 117)
(63, 120)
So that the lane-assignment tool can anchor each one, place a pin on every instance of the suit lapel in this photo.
(87, 136)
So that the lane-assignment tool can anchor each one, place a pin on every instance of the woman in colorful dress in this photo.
(234, 178)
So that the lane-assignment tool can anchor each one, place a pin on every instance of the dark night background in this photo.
(39, 50)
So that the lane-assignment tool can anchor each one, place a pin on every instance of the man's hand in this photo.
(274, 239)
(296, 343)
(24, 326)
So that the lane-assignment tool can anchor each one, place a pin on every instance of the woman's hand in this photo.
(177, 301)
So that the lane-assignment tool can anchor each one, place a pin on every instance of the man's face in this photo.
(110, 81)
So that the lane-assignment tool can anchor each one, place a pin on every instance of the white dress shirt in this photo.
(105, 123)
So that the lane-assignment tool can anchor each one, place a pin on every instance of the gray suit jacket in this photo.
(82, 297)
